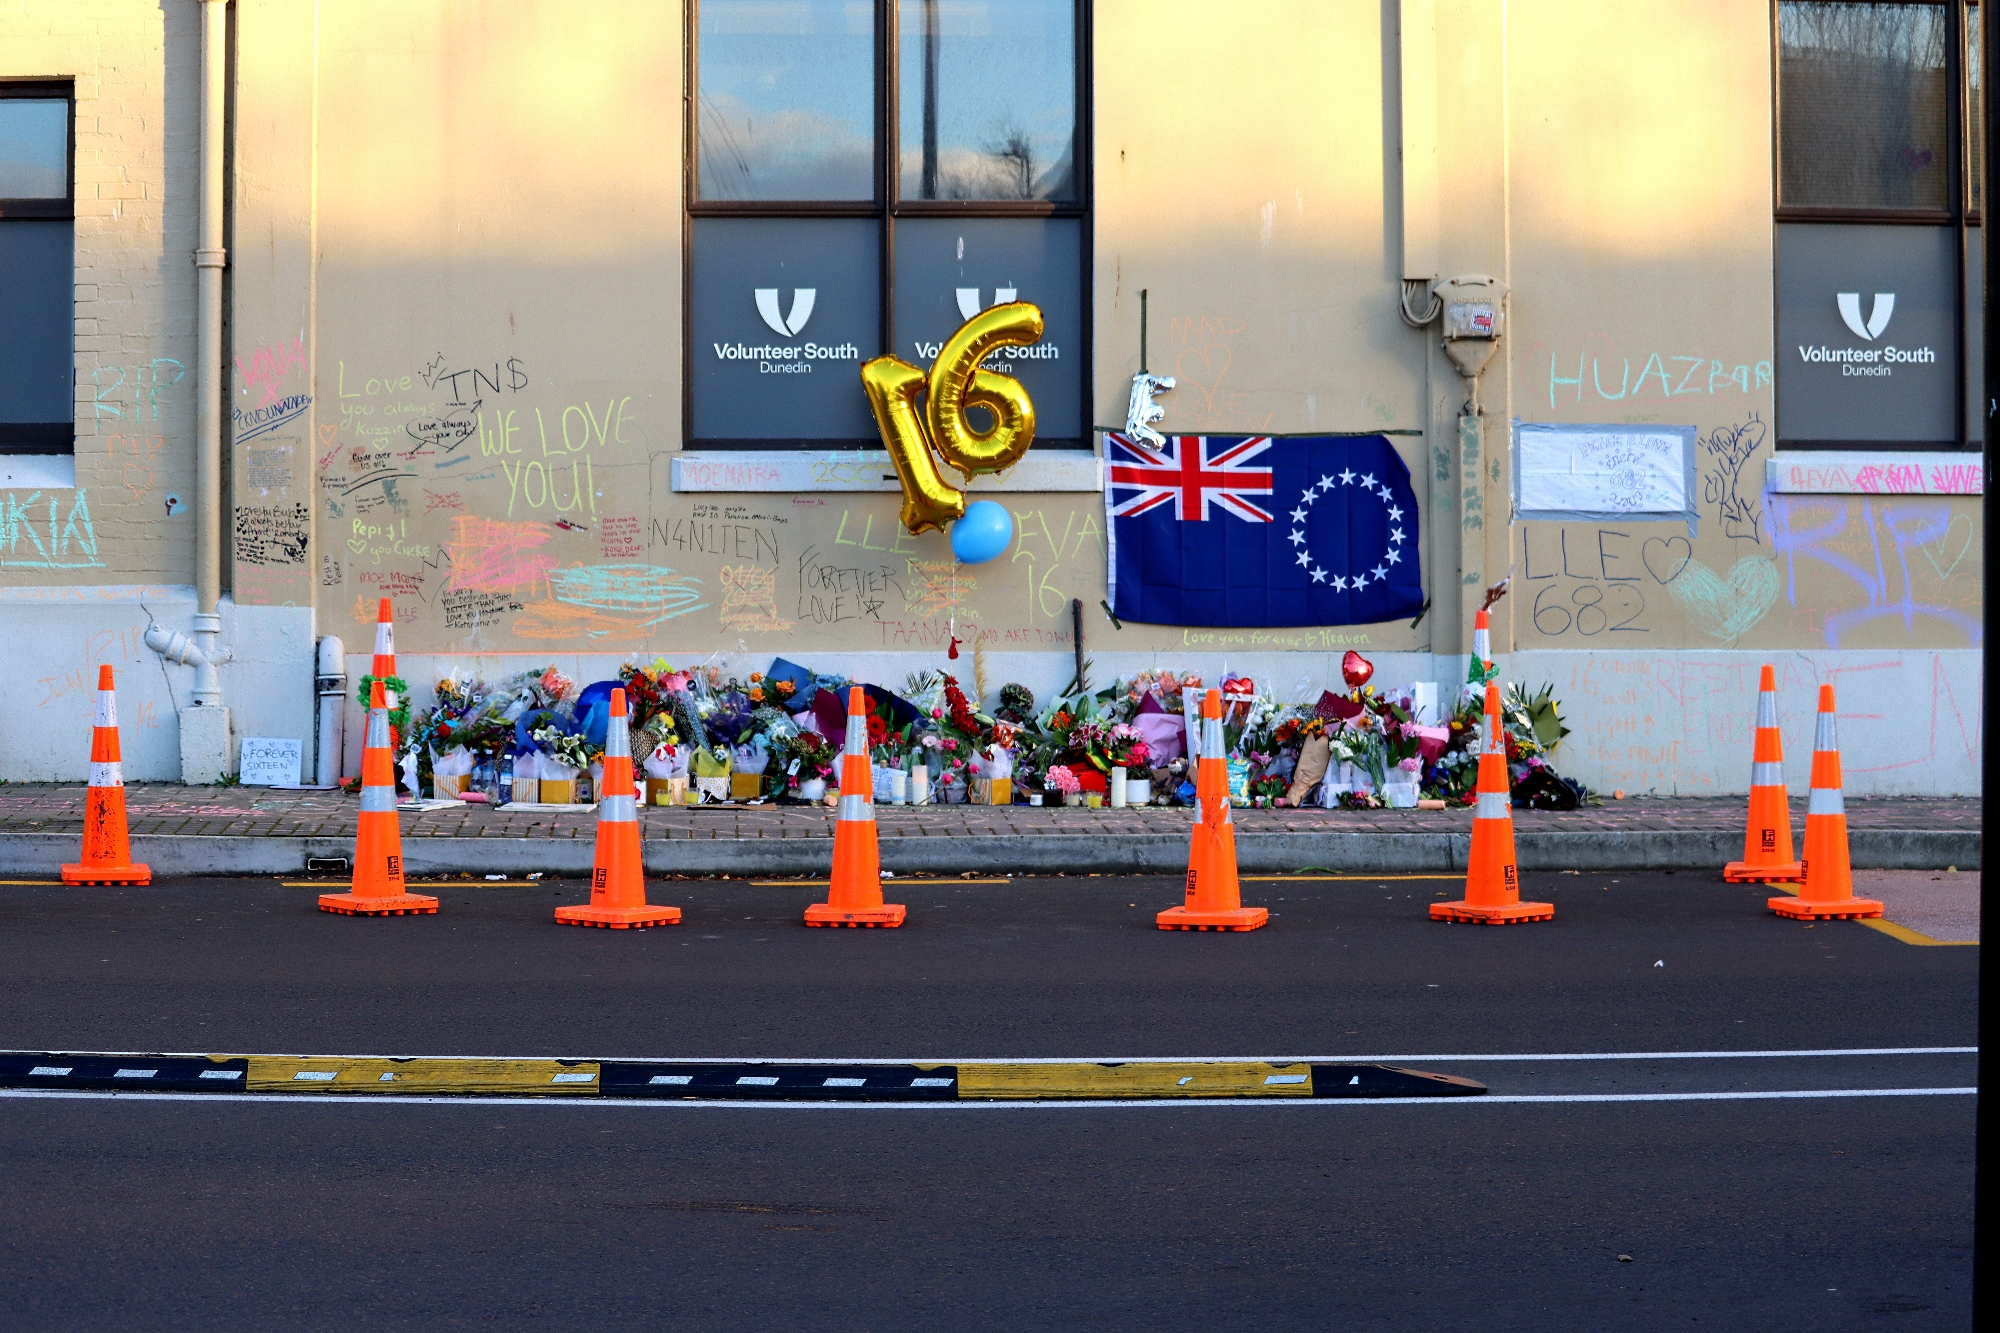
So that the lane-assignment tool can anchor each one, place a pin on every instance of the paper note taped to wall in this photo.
(1604, 473)
(269, 762)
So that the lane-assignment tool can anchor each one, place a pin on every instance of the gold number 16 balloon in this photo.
(915, 437)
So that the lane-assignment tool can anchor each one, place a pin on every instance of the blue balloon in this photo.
(983, 533)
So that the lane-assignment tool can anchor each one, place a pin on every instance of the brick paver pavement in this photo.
(251, 812)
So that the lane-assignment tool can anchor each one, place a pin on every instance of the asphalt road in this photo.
(1785, 1213)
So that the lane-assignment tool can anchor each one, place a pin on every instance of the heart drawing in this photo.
(1726, 607)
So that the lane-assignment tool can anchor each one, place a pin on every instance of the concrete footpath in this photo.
(243, 830)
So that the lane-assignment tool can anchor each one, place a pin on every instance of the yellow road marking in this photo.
(30, 881)
(886, 883)
(327, 1073)
(1371, 879)
(421, 883)
(1906, 935)
(1232, 1079)
(1889, 927)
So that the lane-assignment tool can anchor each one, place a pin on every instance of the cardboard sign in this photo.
(269, 762)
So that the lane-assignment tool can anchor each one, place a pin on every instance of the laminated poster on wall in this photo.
(1261, 531)
(1565, 473)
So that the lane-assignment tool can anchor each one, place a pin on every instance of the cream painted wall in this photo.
(134, 63)
(425, 190)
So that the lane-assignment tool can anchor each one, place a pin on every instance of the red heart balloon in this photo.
(1239, 685)
(1356, 669)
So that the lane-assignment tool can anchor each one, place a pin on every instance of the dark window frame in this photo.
(47, 210)
(1960, 215)
(45, 90)
(887, 206)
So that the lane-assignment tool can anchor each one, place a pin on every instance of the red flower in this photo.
(878, 731)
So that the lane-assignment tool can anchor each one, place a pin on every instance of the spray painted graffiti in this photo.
(1824, 530)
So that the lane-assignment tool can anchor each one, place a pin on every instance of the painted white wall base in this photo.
(52, 641)
(208, 748)
(1681, 723)
(1668, 723)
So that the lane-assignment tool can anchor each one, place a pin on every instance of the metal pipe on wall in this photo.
(208, 259)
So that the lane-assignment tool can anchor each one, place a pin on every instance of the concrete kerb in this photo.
(1147, 854)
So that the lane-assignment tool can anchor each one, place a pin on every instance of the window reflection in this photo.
(1862, 105)
(988, 99)
(34, 148)
(786, 99)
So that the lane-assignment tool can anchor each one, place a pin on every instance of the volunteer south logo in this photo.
(789, 357)
(1866, 362)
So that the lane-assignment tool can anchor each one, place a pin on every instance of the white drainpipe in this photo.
(205, 740)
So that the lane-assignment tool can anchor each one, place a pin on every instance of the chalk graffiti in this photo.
(137, 475)
(1729, 448)
(72, 544)
(750, 598)
(1660, 377)
(600, 601)
(146, 379)
(535, 485)
(491, 556)
(1201, 366)
(268, 368)
(1725, 607)
(937, 586)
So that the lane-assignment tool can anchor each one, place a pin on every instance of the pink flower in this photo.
(937, 712)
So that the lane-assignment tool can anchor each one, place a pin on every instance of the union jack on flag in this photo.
(1189, 476)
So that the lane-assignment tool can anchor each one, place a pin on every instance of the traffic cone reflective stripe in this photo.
(1492, 877)
(618, 874)
(107, 845)
(1482, 639)
(1767, 838)
(1826, 890)
(1214, 897)
(378, 888)
(854, 898)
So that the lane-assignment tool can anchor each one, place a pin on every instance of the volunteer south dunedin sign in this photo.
(790, 357)
(1866, 362)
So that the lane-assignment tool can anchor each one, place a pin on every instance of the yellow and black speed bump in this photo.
(719, 1080)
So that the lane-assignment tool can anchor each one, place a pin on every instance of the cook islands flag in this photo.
(1233, 530)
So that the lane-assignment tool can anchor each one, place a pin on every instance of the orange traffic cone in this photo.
(385, 659)
(1767, 841)
(385, 645)
(378, 843)
(618, 879)
(1214, 897)
(855, 898)
(1827, 887)
(1492, 881)
(107, 850)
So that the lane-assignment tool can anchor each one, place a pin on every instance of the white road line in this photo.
(1081, 1059)
(1162, 1103)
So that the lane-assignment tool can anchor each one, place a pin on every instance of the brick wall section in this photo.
(135, 63)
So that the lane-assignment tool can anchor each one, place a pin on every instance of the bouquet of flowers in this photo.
(1060, 780)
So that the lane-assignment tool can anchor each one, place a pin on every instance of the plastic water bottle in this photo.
(506, 779)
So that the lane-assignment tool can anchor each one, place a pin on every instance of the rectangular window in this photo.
(868, 174)
(1876, 190)
(37, 268)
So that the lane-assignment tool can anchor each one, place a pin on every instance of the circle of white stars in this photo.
(1390, 557)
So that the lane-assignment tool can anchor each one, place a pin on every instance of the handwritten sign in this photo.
(269, 762)
(1604, 472)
